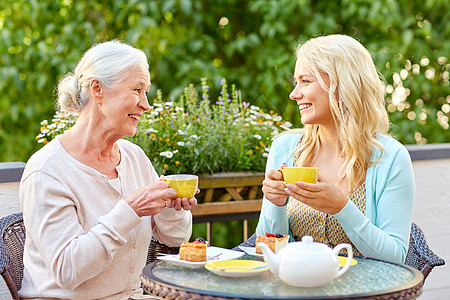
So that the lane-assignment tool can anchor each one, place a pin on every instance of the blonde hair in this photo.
(356, 98)
(107, 62)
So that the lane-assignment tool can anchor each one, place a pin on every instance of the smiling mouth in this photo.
(304, 106)
(136, 117)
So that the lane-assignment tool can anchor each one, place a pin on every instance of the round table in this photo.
(368, 279)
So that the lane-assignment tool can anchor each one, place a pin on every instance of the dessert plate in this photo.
(237, 267)
(213, 254)
(250, 251)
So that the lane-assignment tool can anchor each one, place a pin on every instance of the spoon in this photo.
(215, 256)
(230, 269)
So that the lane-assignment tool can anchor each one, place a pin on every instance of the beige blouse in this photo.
(83, 241)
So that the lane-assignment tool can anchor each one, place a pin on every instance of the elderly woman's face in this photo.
(311, 98)
(127, 101)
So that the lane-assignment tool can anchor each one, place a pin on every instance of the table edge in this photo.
(413, 289)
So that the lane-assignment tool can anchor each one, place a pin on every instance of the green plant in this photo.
(251, 43)
(193, 135)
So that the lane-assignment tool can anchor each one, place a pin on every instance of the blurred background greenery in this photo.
(250, 43)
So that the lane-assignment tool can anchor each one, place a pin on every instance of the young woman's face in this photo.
(126, 101)
(312, 100)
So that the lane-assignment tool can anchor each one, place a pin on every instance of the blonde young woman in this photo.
(365, 192)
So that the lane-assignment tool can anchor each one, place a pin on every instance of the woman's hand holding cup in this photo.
(186, 187)
(273, 187)
(277, 183)
(151, 199)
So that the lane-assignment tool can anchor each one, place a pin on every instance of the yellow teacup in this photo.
(186, 185)
(294, 174)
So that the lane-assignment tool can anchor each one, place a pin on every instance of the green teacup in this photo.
(294, 174)
(186, 185)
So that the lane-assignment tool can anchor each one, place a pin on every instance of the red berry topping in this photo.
(278, 235)
(199, 241)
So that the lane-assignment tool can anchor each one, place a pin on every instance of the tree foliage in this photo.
(250, 43)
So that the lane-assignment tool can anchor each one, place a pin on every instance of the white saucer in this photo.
(212, 253)
(250, 250)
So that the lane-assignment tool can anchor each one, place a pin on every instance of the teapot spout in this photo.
(271, 259)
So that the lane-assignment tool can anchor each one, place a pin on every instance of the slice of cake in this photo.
(195, 251)
(274, 241)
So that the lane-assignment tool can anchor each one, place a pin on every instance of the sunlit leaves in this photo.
(251, 43)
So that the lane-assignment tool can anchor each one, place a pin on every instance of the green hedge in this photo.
(251, 43)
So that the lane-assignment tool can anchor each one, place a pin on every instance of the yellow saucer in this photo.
(343, 261)
(236, 267)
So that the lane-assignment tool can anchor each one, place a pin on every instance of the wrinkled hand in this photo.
(273, 189)
(183, 203)
(150, 199)
(321, 196)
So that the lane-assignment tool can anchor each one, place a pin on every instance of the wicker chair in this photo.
(12, 241)
(156, 249)
(419, 254)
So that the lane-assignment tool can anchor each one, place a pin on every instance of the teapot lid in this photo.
(308, 244)
(308, 240)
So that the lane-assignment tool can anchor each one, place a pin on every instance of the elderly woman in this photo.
(365, 192)
(91, 201)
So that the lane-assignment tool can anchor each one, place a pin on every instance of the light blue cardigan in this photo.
(383, 231)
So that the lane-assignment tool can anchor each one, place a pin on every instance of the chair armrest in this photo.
(4, 258)
(422, 248)
(155, 249)
(250, 242)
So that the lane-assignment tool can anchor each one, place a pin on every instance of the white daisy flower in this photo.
(277, 118)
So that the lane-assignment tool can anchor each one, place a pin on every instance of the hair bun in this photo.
(69, 94)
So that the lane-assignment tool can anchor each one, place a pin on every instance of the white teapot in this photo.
(306, 263)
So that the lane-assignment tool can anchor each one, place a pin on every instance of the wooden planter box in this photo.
(228, 196)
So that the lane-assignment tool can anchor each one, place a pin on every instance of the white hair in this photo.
(106, 62)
